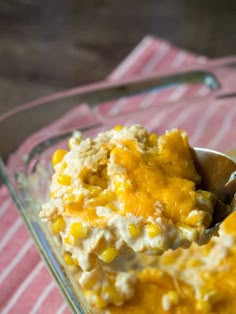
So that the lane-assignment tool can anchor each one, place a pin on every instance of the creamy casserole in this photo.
(117, 203)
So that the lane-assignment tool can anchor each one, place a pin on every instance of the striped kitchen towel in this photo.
(25, 283)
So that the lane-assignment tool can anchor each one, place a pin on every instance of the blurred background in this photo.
(49, 45)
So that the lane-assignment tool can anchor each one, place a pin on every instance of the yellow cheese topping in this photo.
(138, 173)
(163, 173)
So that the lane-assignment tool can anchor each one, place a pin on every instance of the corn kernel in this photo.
(153, 230)
(53, 193)
(123, 187)
(193, 262)
(64, 179)
(108, 195)
(168, 259)
(100, 303)
(95, 299)
(118, 127)
(58, 225)
(112, 294)
(69, 198)
(94, 190)
(204, 292)
(173, 296)
(69, 240)
(134, 230)
(89, 295)
(73, 141)
(72, 207)
(188, 232)
(214, 296)
(69, 260)
(78, 230)
(116, 298)
(206, 201)
(197, 218)
(104, 198)
(203, 306)
(109, 255)
(152, 139)
(97, 181)
(104, 173)
(210, 296)
(73, 202)
(58, 156)
(118, 188)
(170, 299)
(63, 165)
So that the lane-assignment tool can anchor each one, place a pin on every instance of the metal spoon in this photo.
(218, 173)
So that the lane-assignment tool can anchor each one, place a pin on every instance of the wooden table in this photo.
(48, 45)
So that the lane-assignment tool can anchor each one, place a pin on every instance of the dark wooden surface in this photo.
(48, 45)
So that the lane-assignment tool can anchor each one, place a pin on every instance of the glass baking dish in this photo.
(47, 123)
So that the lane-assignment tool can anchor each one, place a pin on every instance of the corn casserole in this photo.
(122, 199)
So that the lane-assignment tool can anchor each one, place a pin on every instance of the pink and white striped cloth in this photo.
(25, 283)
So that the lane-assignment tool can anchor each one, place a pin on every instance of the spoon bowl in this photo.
(218, 172)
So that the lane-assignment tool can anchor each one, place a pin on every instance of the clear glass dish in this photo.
(47, 123)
